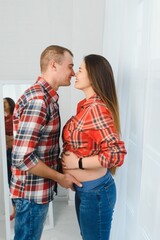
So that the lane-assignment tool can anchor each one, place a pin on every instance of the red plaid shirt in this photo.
(36, 125)
(9, 125)
(91, 132)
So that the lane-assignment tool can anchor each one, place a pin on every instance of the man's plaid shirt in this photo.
(36, 125)
(92, 132)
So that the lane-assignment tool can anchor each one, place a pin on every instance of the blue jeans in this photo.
(94, 210)
(30, 218)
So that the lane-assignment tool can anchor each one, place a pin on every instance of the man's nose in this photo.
(73, 73)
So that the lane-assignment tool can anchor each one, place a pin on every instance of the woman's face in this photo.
(6, 106)
(82, 81)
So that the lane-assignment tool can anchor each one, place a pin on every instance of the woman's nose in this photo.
(76, 74)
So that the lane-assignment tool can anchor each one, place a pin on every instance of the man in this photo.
(36, 124)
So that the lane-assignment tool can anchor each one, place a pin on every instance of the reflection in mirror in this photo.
(9, 105)
(13, 91)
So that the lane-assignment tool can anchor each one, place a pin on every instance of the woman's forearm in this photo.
(71, 161)
(90, 162)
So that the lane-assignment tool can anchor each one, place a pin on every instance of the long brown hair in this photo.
(11, 104)
(102, 79)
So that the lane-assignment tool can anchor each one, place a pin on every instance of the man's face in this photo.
(65, 70)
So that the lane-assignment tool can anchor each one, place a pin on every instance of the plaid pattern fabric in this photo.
(36, 126)
(9, 125)
(91, 132)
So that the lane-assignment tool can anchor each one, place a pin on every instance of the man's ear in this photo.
(53, 65)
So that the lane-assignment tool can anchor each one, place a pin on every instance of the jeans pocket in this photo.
(18, 204)
(22, 205)
(111, 194)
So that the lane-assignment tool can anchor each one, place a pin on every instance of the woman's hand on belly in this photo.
(70, 165)
(69, 160)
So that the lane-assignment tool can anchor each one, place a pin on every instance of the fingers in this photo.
(63, 155)
(64, 165)
(77, 183)
(66, 153)
(73, 181)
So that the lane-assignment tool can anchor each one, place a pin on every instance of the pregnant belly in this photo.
(86, 175)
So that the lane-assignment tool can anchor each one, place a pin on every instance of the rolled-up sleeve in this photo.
(27, 130)
(101, 130)
(112, 151)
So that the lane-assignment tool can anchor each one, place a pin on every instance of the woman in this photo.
(9, 105)
(92, 148)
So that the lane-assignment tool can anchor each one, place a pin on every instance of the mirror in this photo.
(13, 91)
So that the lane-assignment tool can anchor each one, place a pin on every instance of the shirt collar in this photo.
(48, 88)
(85, 103)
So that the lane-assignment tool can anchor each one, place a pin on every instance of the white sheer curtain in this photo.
(131, 44)
(116, 49)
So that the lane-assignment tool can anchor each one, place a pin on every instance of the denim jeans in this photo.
(30, 218)
(94, 210)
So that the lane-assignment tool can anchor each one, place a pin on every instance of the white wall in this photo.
(26, 28)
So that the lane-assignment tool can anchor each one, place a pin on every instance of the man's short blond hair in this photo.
(54, 52)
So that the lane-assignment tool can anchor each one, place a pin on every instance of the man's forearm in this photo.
(42, 170)
(65, 180)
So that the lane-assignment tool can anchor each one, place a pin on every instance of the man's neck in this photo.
(50, 81)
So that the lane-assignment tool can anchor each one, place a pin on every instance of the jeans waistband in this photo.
(89, 185)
